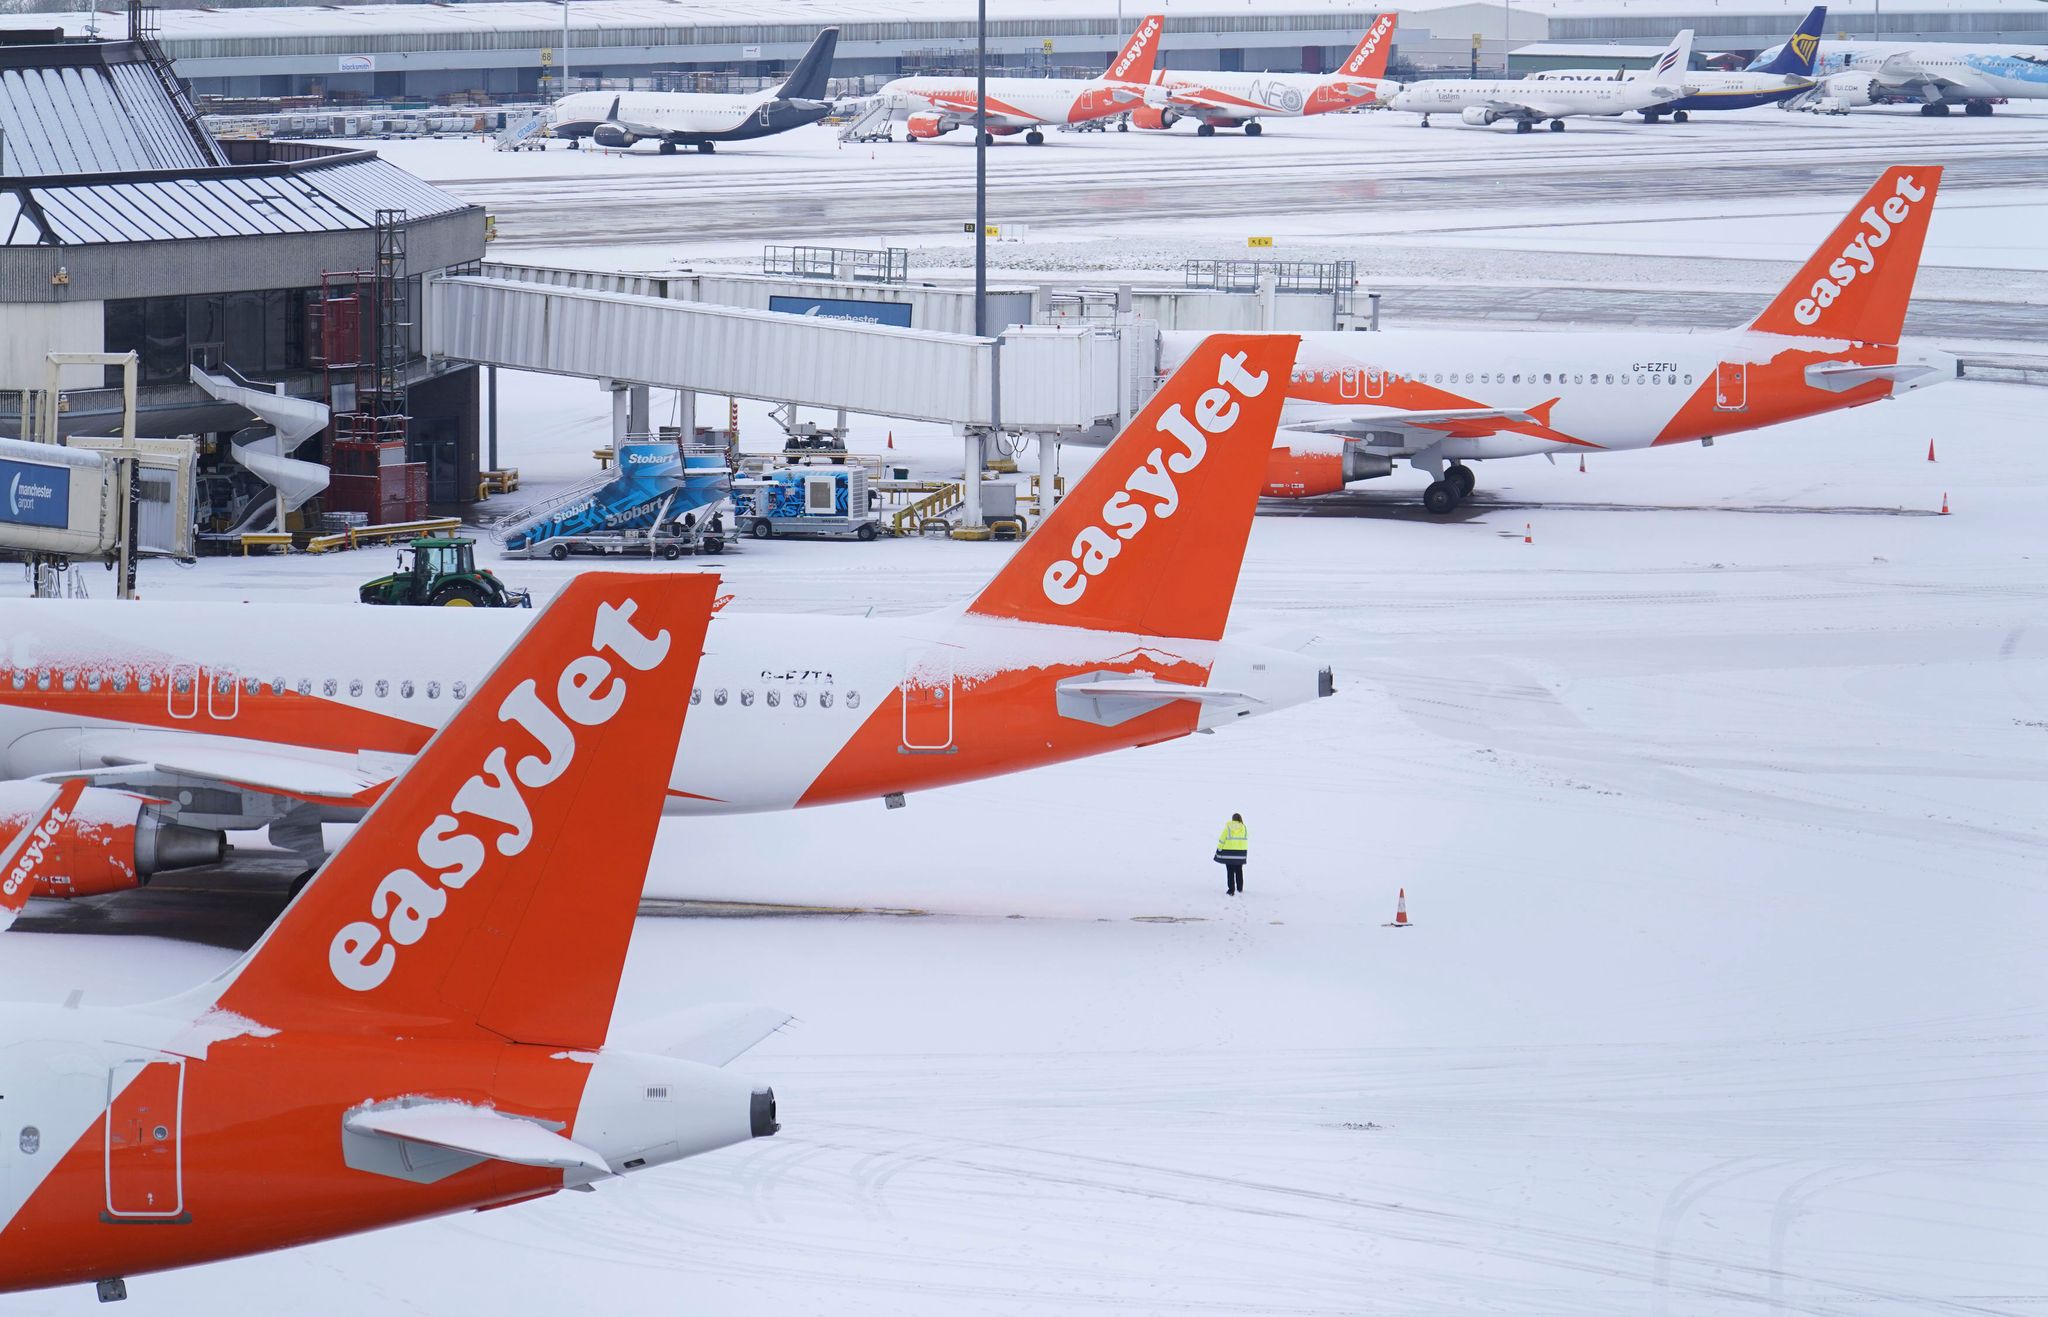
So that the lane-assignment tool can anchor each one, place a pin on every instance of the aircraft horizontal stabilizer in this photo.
(478, 1131)
(1110, 698)
(711, 1034)
(1840, 377)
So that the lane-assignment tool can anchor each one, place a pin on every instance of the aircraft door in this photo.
(1731, 387)
(1375, 382)
(181, 691)
(1347, 382)
(928, 698)
(145, 1162)
(223, 695)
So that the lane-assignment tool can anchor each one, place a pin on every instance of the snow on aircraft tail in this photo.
(1369, 56)
(1134, 62)
(1670, 67)
(1151, 539)
(493, 888)
(21, 861)
(1857, 285)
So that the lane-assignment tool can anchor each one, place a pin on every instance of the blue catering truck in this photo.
(663, 498)
(830, 501)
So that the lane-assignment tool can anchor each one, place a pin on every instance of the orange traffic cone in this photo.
(1400, 912)
(892, 439)
(1528, 537)
(1582, 464)
(1930, 450)
(1944, 503)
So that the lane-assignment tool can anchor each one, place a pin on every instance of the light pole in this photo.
(565, 47)
(981, 169)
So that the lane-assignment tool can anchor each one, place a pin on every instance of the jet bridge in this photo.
(626, 330)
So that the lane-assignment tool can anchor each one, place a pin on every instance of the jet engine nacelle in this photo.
(1851, 89)
(925, 125)
(1305, 465)
(1155, 116)
(613, 135)
(1479, 116)
(111, 841)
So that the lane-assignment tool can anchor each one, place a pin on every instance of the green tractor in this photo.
(443, 574)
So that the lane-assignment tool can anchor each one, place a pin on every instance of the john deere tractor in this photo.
(443, 574)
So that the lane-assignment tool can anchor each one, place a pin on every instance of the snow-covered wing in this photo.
(711, 1034)
(1110, 698)
(307, 774)
(1427, 426)
(478, 1131)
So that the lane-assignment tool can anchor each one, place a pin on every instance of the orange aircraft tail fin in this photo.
(494, 886)
(1859, 282)
(21, 860)
(1134, 62)
(1151, 538)
(1369, 56)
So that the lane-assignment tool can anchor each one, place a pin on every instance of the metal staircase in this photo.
(875, 123)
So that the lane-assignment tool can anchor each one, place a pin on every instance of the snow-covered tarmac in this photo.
(1722, 810)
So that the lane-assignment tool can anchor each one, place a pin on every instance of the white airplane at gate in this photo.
(1527, 101)
(930, 107)
(1436, 399)
(1103, 631)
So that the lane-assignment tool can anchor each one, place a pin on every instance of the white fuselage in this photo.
(1527, 98)
(1944, 70)
(1235, 97)
(674, 112)
(788, 710)
(1014, 104)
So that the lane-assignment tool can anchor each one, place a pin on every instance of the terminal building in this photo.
(124, 225)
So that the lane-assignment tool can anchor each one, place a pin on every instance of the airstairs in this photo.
(518, 133)
(876, 122)
(655, 483)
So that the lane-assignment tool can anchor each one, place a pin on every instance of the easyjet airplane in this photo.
(1239, 100)
(1103, 631)
(428, 1027)
(1438, 399)
(932, 106)
(24, 861)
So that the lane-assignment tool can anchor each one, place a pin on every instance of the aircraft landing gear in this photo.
(668, 148)
(1034, 138)
(1205, 130)
(1679, 116)
(705, 148)
(1523, 126)
(1460, 478)
(1439, 498)
(1651, 116)
(1936, 108)
(1977, 109)
(988, 139)
(1253, 128)
(1557, 125)
(1424, 123)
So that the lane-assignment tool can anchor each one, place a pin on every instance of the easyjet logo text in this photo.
(1139, 40)
(1149, 491)
(1859, 255)
(588, 692)
(31, 857)
(1379, 31)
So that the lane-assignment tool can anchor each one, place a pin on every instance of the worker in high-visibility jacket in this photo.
(1232, 849)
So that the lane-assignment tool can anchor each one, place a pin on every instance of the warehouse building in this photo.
(125, 225)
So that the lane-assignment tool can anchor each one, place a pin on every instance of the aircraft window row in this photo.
(772, 697)
(1494, 377)
(184, 683)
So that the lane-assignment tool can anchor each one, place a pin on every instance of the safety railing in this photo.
(882, 265)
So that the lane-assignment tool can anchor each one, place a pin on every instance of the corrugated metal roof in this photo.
(89, 118)
(253, 202)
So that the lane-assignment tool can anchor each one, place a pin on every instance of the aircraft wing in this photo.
(712, 1034)
(1904, 71)
(1528, 109)
(319, 776)
(1424, 427)
(1840, 377)
(478, 1131)
(1209, 102)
